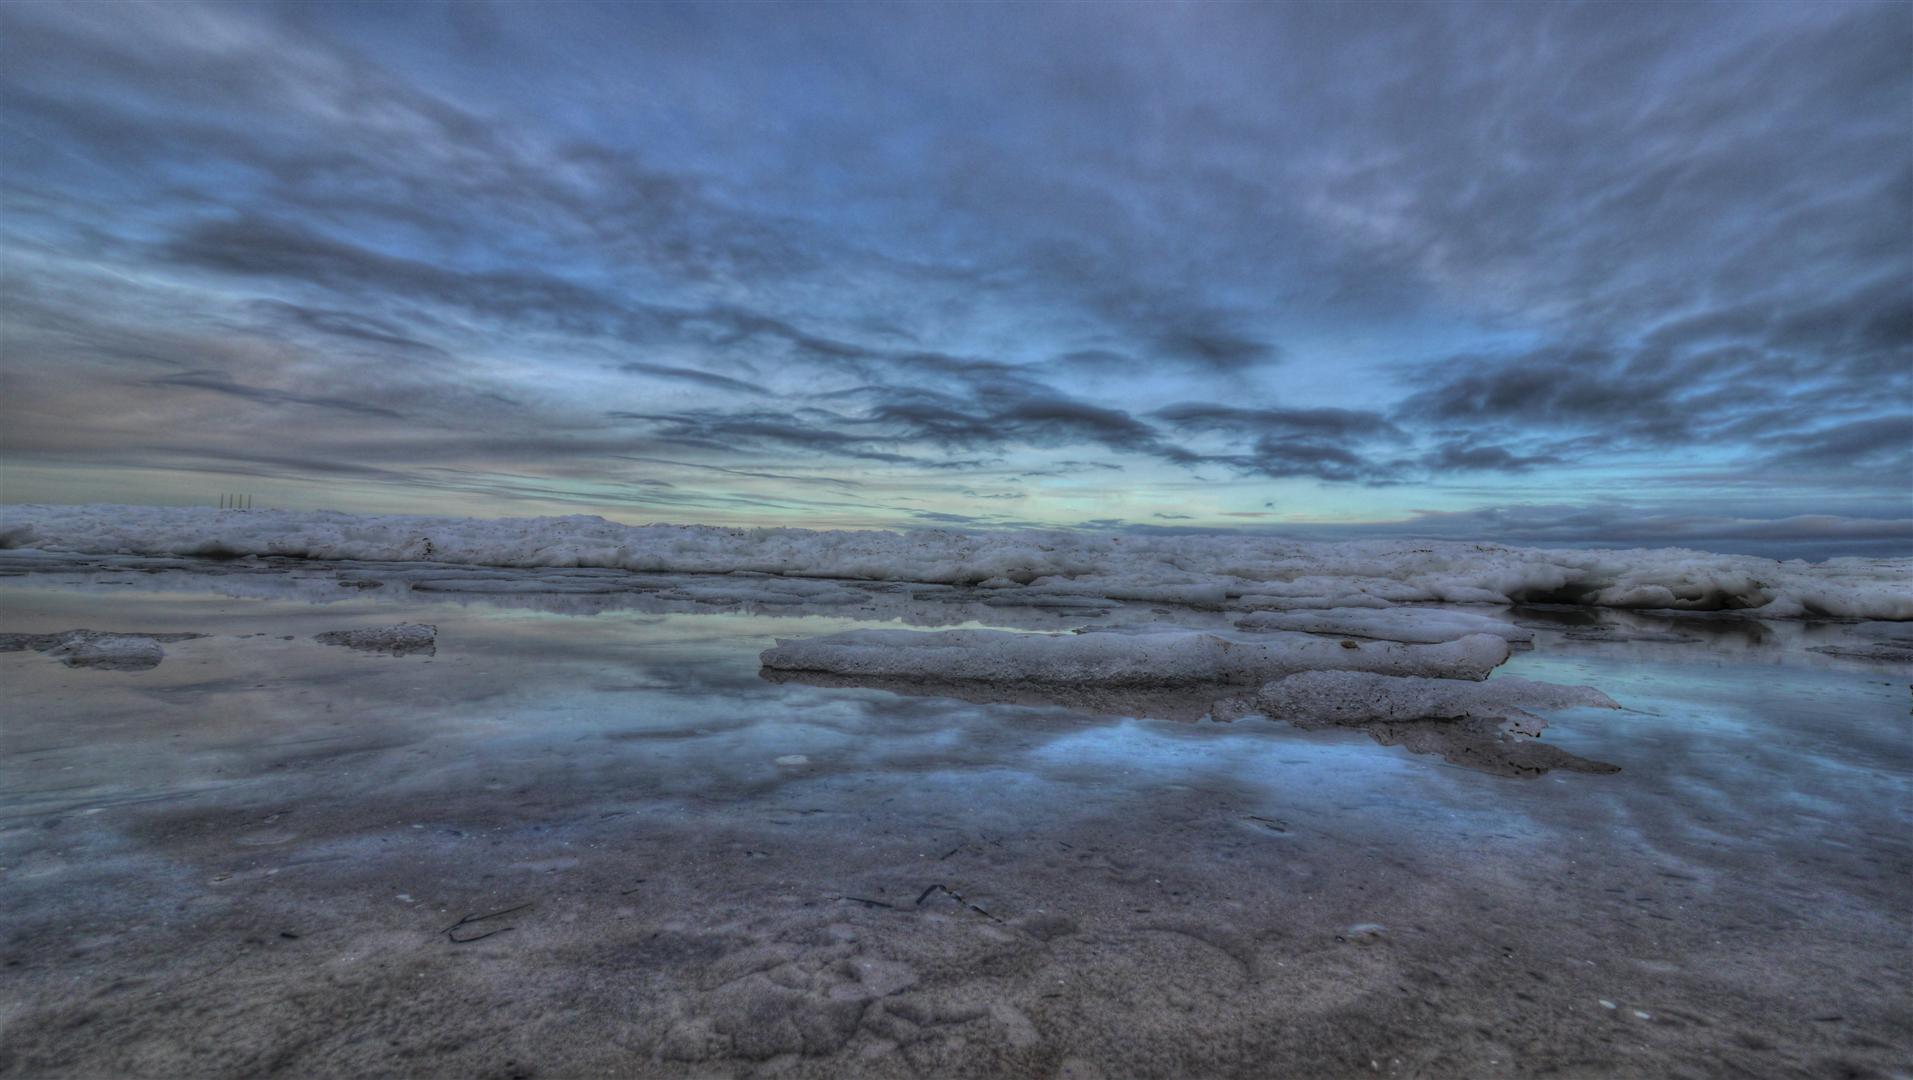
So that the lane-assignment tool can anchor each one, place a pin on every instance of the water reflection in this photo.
(709, 852)
(1481, 743)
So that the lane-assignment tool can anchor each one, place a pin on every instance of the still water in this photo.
(582, 834)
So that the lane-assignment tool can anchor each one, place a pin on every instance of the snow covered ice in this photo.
(1346, 633)
(1232, 572)
(381, 733)
(1358, 697)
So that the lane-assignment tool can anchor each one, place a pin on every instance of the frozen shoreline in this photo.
(1214, 572)
(274, 833)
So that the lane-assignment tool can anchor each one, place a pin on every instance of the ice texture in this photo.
(1152, 659)
(402, 639)
(1359, 697)
(1397, 624)
(98, 649)
(1235, 572)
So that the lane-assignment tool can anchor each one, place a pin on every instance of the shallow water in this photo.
(247, 858)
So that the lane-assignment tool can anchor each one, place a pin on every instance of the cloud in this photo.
(1327, 423)
(705, 378)
(1881, 442)
(219, 382)
(376, 334)
(1465, 456)
(1552, 247)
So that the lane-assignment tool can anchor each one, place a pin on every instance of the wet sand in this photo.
(267, 854)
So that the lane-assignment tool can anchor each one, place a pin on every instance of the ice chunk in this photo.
(400, 640)
(97, 649)
(1393, 624)
(1358, 697)
(113, 652)
(1117, 659)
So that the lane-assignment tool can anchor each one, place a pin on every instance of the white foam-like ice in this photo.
(1150, 659)
(1211, 571)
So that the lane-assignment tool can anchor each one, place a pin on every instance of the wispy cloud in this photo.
(917, 265)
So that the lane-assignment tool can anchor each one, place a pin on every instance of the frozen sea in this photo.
(577, 830)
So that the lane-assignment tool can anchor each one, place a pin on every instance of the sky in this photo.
(1614, 274)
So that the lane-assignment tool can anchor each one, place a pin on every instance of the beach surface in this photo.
(555, 831)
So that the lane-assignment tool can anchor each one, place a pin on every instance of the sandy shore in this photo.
(561, 845)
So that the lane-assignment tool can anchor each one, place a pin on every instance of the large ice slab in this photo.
(1154, 659)
(1212, 571)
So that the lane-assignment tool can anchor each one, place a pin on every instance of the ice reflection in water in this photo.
(1161, 897)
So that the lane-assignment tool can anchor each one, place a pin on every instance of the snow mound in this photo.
(400, 640)
(1156, 659)
(1396, 624)
(1218, 571)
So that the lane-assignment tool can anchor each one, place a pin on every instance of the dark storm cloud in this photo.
(1363, 246)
